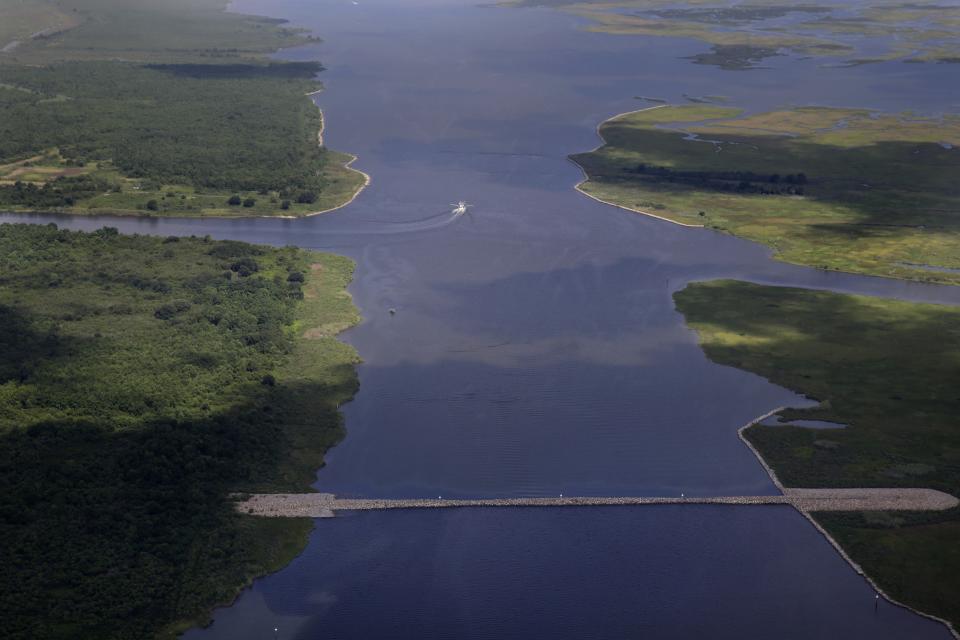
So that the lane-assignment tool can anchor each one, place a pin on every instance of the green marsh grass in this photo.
(842, 189)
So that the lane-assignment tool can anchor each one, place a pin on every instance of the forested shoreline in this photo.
(143, 380)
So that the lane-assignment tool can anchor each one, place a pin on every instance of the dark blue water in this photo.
(664, 572)
(536, 350)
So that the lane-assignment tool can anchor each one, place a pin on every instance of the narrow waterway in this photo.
(535, 349)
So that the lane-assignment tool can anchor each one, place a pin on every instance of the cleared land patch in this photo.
(888, 370)
(845, 189)
(40, 170)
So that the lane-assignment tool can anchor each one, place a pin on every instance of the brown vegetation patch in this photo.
(326, 330)
(310, 289)
(48, 173)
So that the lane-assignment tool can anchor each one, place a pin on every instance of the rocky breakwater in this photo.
(321, 505)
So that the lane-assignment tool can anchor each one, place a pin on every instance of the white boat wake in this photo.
(391, 227)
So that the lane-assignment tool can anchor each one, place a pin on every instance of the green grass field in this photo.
(889, 370)
(171, 109)
(844, 189)
(142, 380)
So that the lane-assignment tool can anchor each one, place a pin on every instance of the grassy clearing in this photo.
(142, 381)
(742, 36)
(844, 189)
(889, 370)
(166, 108)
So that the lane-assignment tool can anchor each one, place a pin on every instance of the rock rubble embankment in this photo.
(318, 505)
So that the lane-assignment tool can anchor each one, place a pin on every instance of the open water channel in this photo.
(535, 349)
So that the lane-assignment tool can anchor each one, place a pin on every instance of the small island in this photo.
(161, 109)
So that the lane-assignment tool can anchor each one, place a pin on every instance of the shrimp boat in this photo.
(460, 208)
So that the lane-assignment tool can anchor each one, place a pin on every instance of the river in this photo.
(535, 349)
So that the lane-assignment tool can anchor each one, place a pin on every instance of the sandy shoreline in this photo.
(586, 178)
(366, 183)
(353, 158)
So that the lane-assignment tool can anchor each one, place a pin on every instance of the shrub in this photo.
(245, 266)
(167, 311)
(234, 249)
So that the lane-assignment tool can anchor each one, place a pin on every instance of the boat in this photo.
(460, 208)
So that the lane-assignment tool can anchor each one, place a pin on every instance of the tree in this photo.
(234, 200)
(152, 205)
(167, 311)
(245, 266)
(249, 202)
